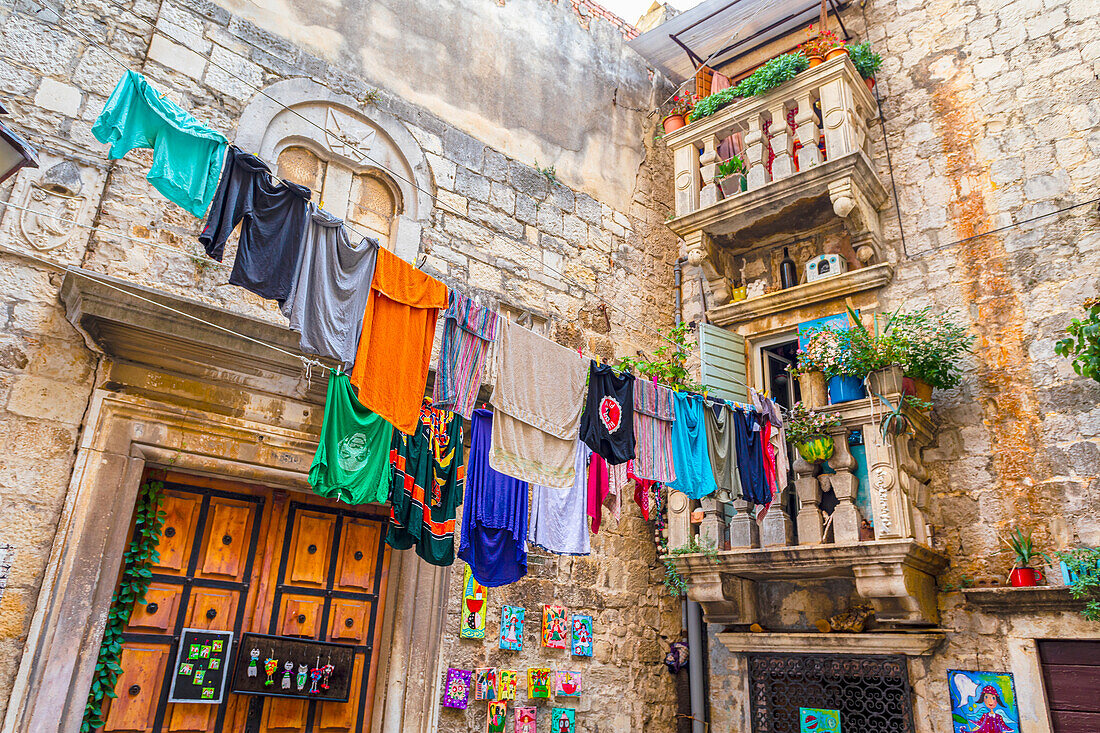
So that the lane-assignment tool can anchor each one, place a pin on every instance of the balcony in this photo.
(792, 183)
(881, 541)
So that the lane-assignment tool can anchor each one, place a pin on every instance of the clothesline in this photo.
(366, 155)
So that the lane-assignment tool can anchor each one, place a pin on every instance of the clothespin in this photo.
(654, 381)
(579, 353)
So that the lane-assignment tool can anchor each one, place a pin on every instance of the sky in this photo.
(631, 10)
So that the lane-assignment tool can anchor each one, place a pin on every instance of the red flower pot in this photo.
(673, 122)
(1023, 577)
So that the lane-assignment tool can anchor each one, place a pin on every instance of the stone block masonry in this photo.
(500, 229)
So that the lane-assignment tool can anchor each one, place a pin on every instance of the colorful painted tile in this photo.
(563, 720)
(498, 715)
(538, 682)
(507, 679)
(511, 627)
(485, 683)
(567, 684)
(526, 719)
(214, 663)
(186, 668)
(582, 635)
(208, 693)
(814, 720)
(456, 693)
(474, 597)
(983, 701)
(555, 628)
(204, 651)
(216, 645)
(193, 651)
(200, 675)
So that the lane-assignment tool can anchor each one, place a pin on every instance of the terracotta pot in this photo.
(1023, 577)
(832, 53)
(816, 60)
(886, 381)
(673, 122)
(870, 81)
(922, 390)
(817, 449)
(815, 394)
(732, 185)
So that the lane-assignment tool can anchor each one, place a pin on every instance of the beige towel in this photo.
(537, 399)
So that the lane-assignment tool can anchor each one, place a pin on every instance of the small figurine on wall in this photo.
(326, 675)
(303, 673)
(289, 669)
(270, 665)
(253, 661)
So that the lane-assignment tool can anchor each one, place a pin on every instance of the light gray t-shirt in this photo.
(329, 295)
(559, 517)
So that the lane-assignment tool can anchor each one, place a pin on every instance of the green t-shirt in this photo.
(352, 462)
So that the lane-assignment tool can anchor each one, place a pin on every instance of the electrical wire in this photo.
(366, 156)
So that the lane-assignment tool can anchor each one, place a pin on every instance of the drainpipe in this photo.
(691, 612)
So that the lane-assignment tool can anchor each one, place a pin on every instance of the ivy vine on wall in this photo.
(137, 572)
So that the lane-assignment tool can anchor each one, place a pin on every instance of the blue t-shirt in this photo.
(694, 475)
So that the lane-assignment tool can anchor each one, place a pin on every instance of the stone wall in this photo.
(502, 230)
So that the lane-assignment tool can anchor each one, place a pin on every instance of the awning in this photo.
(725, 29)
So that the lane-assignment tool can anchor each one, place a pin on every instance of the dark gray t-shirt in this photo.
(329, 294)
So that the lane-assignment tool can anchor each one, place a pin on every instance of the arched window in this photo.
(373, 204)
(303, 167)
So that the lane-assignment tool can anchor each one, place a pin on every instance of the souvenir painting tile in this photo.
(525, 720)
(214, 663)
(815, 720)
(456, 694)
(562, 720)
(200, 675)
(498, 714)
(216, 645)
(193, 651)
(538, 682)
(567, 684)
(208, 693)
(982, 701)
(511, 627)
(473, 607)
(555, 628)
(485, 684)
(187, 668)
(506, 679)
(582, 635)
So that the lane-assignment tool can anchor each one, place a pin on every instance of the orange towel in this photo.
(395, 348)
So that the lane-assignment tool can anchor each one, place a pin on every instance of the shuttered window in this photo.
(723, 369)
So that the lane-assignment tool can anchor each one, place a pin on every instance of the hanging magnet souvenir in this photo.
(270, 665)
(289, 667)
(303, 672)
(326, 675)
(314, 678)
(254, 659)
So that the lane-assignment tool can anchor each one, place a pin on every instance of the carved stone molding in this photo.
(871, 642)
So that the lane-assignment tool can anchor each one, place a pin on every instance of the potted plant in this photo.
(930, 348)
(822, 47)
(808, 430)
(866, 61)
(810, 367)
(1021, 545)
(677, 118)
(770, 75)
(1081, 573)
(731, 176)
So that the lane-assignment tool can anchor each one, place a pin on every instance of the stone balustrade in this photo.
(885, 546)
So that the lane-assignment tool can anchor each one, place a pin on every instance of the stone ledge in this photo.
(911, 645)
(815, 293)
(1022, 600)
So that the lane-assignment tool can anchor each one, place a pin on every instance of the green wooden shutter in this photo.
(724, 368)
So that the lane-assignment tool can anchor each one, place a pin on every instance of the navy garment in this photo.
(607, 424)
(275, 215)
(750, 457)
(494, 514)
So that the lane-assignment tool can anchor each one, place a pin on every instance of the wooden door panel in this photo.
(358, 555)
(177, 537)
(336, 717)
(310, 549)
(302, 616)
(226, 541)
(349, 621)
(191, 718)
(284, 715)
(212, 608)
(138, 687)
(158, 614)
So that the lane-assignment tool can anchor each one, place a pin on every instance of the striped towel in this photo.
(468, 329)
(653, 417)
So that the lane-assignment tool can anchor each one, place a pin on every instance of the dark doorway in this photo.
(777, 380)
(1071, 674)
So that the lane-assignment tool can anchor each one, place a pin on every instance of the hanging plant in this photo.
(137, 572)
(1083, 343)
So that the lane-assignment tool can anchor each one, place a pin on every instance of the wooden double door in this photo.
(243, 558)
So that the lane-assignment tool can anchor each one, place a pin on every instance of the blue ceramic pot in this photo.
(845, 389)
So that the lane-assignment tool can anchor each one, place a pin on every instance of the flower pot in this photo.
(1023, 577)
(922, 390)
(815, 60)
(740, 293)
(814, 393)
(832, 53)
(845, 389)
(673, 122)
(870, 82)
(886, 381)
(817, 449)
(732, 185)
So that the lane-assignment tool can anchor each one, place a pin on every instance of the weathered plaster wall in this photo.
(513, 228)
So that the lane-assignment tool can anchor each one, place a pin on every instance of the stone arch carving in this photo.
(337, 126)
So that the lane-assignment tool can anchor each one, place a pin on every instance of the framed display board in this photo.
(318, 670)
(201, 665)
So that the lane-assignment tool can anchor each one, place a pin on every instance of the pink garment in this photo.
(598, 489)
(718, 82)
(991, 723)
(641, 490)
(617, 479)
(769, 465)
